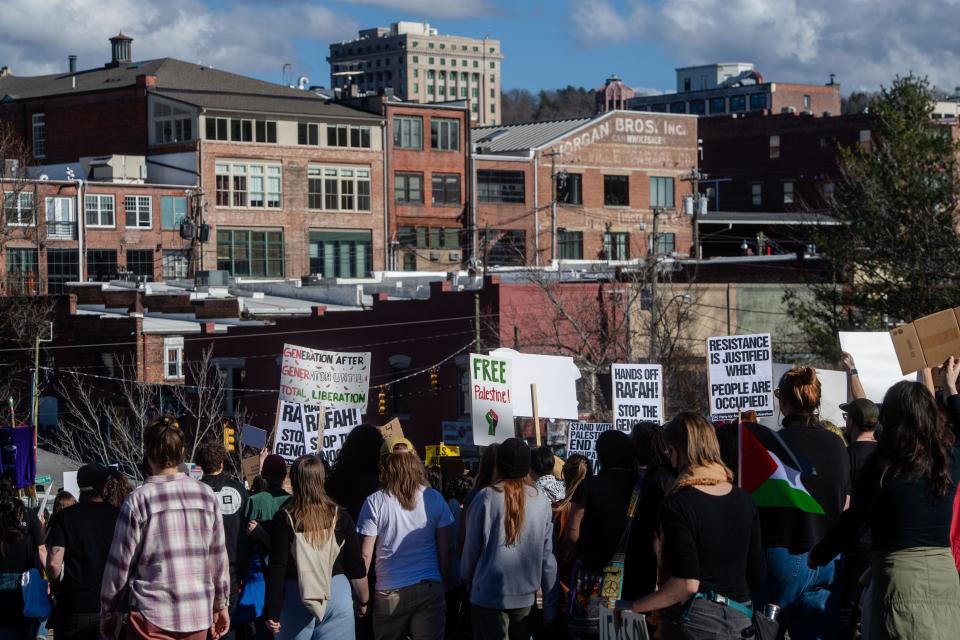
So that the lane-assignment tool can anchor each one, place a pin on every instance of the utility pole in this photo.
(476, 322)
(35, 390)
(694, 178)
(654, 311)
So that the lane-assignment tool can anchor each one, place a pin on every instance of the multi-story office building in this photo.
(421, 65)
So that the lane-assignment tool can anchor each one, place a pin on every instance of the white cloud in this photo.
(866, 43)
(249, 38)
(429, 9)
(597, 22)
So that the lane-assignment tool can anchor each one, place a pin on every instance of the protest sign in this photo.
(556, 379)
(392, 429)
(740, 375)
(491, 409)
(637, 394)
(582, 438)
(295, 423)
(630, 626)
(927, 342)
(457, 433)
(337, 425)
(437, 451)
(325, 378)
(253, 436)
(833, 393)
(70, 483)
(876, 360)
(251, 468)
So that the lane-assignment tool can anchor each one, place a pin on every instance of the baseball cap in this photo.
(393, 442)
(863, 412)
(92, 476)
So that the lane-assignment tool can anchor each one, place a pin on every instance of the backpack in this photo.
(315, 568)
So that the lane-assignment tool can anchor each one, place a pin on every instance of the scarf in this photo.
(709, 475)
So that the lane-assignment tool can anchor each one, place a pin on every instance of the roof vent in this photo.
(119, 50)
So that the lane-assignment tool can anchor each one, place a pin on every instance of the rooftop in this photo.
(520, 137)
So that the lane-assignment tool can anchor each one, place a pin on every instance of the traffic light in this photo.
(229, 439)
(434, 381)
(382, 401)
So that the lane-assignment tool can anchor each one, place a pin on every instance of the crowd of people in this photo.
(530, 546)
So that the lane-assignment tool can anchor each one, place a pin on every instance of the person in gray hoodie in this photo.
(508, 550)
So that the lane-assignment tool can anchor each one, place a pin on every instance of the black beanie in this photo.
(513, 459)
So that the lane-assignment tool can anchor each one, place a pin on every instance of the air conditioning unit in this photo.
(434, 256)
(212, 278)
(454, 256)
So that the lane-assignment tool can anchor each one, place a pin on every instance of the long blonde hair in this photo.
(402, 475)
(575, 471)
(514, 505)
(310, 508)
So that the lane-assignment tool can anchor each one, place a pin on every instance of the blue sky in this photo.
(547, 43)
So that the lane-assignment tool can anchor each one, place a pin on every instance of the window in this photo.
(173, 357)
(341, 254)
(501, 247)
(19, 209)
(308, 133)
(61, 223)
(408, 132)
(266, 131)
(774, 146)
(140, 262)
(569, 245)
(254, 186)
(408, 187)
(493, 65)
(686, 84)
(698, 107)
(738, 103)
(756, 194)
(445, 134)
(39, 135)
(250, 252)
(616, 245)
(806, 103)
(678, 107)
(138, 211)
(416, 59)
(173, 211)
(241, 130)
(175, 264)
(666, 243)
(338, 188)
(22, 271)
(828, 190)
(216, 128)
(409, 261)
(63, 266)
(787, 193)
(616, 191)
(569, 188)
(661, 192)
(446, 189)
(101, 265)
(500, 186)
(758, 101)
(342, 135)
(171, 124)
(718, 105)
(99, 210)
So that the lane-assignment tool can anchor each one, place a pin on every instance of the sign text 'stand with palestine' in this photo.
(637, 394)
(328, 378)
(490, 405)
(741, 375)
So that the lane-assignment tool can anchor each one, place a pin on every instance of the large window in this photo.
(39, 121)
(101, 265)
(408, 132)
(61, 222)
(341, 254)
(569, 188)
(173, 211)
(445, 134)
(173, 357)
(408, 187)
(787, 193)
(248, 185)
(446, 189)
(171, 124)
(666, 243)
(661, 192)
(616, 245)
(342, 135)
(63, 266)
(718, 105)
(500, 186)
(18, 208)
(138, 214)
(244, 130)
(308, 133)
(250, 252)
(738, 103)
(175, 264)
(217, 128)
(140, 262)
(99, 211)
(503, 248)
(616, 191)
(338, 188)
(758, 101)
(569, 245)
(22, 272)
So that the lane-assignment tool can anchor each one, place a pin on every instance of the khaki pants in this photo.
(417, 611)
(500, 624)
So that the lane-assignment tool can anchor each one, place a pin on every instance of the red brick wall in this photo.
(823, 99)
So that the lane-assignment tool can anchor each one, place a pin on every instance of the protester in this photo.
(117, 488)
(808, 598)
(508, 554)
(356, 473)
(457, 601)
(711, 541)
(312, 514)
(486, 473)
(78, 547)
(168, 561)
(61, 501)
(905, 494)
(435, 477)
(541, 466)
(34, 528)
(18, 553)
(575, 470)
(407, 527)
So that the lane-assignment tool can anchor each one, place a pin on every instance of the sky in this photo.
(546, 43)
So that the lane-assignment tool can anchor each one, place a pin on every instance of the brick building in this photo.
(613, 95)
(583, 188)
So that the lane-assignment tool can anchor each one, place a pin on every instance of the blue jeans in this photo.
(297, 623)
(809, 599)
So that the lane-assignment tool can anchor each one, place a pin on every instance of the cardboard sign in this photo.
(876, 361)
(251, 468)
(637, 394)
(582, 438)
(833, 393)
(327, 378)
(491, 408)
(337, 425)
(740, 375)
(927, 342)
(556, 379)
(253, 436)
(630, 626)
(392, 429)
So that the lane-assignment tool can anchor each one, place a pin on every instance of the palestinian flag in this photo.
(770, 472)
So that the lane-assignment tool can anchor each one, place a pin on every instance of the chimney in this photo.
(72, 62)
(119, 50)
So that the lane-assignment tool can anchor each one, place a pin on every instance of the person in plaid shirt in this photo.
(168, 561)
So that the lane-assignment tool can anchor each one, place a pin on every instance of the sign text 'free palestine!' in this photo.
(741, 375)
(491, 410)
(328, 378)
